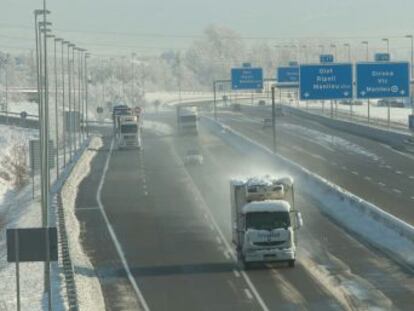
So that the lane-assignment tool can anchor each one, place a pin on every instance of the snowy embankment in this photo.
(377, 227)
(89, 291)
(18, 209)
(30, 107)
(166, 97)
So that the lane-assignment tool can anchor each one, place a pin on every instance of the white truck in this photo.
(129, 132)
(187, 120)
(264, 220)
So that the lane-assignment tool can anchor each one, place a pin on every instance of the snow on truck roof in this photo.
(266, 180)
(266, 206)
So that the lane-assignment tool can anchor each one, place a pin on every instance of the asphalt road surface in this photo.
(172, 223)
(369, 169)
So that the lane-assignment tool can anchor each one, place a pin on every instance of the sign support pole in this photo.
(274, 119)
(331, 109)
(16, 237)
(215, 100)
(388, 115)
(369, 111)
(33, 185)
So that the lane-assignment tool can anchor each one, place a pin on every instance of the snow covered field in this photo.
(398, 115)
(19, 210)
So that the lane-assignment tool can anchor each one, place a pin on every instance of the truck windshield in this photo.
(267, 220)
(129, 128)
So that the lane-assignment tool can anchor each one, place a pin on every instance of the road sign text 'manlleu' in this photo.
(379, 80)
(325, 81)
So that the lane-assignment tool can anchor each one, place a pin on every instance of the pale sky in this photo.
(370, 19)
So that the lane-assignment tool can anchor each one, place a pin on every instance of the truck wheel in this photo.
(246, 265)
(291, 263)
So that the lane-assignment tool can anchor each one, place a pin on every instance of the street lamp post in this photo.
(348, 46)
(79, 50)
(87, 55)
(44, 146)
(367, 50)
(56, 109)
(64, 42)
(70, 117)
(333, 46)
(305, 52)
(387, 41)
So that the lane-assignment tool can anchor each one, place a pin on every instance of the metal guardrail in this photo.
(68, 269)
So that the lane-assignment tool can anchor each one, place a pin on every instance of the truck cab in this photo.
(265, 222)
(128, 135)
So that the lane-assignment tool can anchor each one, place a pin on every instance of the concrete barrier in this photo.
(390, 137)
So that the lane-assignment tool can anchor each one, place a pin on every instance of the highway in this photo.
(369, 169)
(170, 223)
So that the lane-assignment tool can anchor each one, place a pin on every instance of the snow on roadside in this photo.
(19, 210)
(20, 106)
(89, 290)
(165, 97)
(329, 141)
(158, 127)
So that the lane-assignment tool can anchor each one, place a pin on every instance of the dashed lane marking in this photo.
(248, 294)
(118, 246)
(236, 273)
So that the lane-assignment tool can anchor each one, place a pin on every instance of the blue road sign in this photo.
(379, 80)
(246, 78)
(287, 74)
(325, 81)
(326, 58)
(382, 57)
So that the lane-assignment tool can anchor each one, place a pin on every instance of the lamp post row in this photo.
(70, 115)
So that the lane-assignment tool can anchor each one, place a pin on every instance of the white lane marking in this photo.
(412, 198)
(218, 240)
(236, 273)
(367, 178)
(334, 163)
(355, 173)
(89, 208)
(227, 255)
(411, 177)
(388, 166)
(118, 246)
(248, 294)
(144, 186)
(398, 172)
(313, 155)
(397, 191)
(381, 184)
(343, 167)
(230, 252)
(145, 193)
